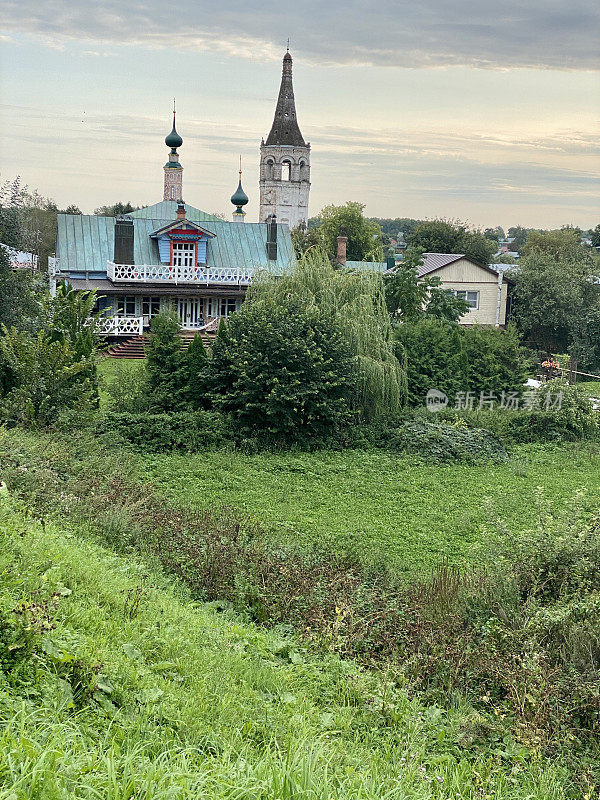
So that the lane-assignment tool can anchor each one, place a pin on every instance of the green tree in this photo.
(196, 359)
(115, 210)
(22, 296)
(46, 378)
(494, 234)
(27, 220)
(595, 236)
(410, 298)
(72, 317)
(441, 236)
(290, 372)
(519, 234)
(304, 239)
(456, 359)
(166, 365)
(364, 236)
(435, 358)
(556, 294)
(356, 303)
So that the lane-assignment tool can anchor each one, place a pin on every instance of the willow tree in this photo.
(355, 302)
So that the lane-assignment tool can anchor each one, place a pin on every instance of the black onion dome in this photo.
(173, 140)
(239, 198)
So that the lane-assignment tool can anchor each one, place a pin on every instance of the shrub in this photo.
(183, 430)
(454, 359)
(444, 442)
(127, 386)
(555, 412)
(166, 365)
(283, 373)
(47, 378)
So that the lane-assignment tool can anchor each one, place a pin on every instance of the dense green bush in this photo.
(185, 430)
(456, 359)
(127, 386)
(443, 442)
(283, 373)
(166, 372)
(555, 412)
(47, 378)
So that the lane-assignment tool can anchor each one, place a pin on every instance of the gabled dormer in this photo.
(182, 243)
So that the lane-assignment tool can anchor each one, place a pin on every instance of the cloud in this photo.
(432, 33)
(421, 172)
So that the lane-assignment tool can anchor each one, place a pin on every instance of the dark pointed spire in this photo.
(285, 128)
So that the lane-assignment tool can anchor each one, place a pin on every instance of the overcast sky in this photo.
(486, 112)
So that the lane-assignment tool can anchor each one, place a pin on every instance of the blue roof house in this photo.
(168, 254)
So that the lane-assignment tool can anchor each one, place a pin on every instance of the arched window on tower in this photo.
(303, 171)
(269, 169)
(286, 171)
(173, 193)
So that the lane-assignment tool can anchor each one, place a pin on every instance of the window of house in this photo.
(228, 306)
(173, 193)
(183, 254)
(126, 306)
(286, 171)
(472, 298)
(150, 306)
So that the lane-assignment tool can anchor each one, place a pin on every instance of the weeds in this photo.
(518, 636)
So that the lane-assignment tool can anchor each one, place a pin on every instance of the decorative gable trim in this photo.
(180, 229)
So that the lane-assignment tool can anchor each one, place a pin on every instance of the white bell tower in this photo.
(285, 161)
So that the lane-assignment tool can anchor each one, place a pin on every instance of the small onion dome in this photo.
(173, 140)
(240, 198)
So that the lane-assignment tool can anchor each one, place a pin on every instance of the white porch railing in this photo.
(163, 273)
(123, 326)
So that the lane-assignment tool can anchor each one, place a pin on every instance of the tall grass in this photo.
(198, 703)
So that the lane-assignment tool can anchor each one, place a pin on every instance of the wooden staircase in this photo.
(135, 347)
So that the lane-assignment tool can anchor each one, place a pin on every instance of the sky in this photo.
(482, 112)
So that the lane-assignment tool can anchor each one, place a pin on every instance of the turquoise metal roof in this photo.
(167, 210)
(362, 266)
(86, 243)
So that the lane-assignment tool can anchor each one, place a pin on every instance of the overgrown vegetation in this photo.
(207, 704)
(453, 359)
(513, 639)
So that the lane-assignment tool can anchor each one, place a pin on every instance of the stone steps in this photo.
(135, 347)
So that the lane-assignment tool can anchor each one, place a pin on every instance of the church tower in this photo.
(285, 161)
(173, 189)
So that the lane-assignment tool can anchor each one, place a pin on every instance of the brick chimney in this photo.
(181, 210)
(342, 242)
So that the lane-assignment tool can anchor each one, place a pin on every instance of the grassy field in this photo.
(413, 515)
(169, 700)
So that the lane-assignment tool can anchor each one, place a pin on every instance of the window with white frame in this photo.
(471, 298)
(183, 254)
(126, 306)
